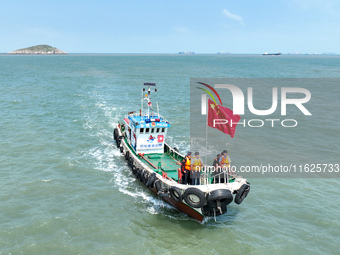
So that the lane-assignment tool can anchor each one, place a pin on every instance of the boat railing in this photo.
(132, 114)
(172, 152)
(208, 177)
(163, 118)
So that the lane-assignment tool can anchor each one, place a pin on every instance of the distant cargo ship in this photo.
(223, 52)
(272, 54)
(186, 52)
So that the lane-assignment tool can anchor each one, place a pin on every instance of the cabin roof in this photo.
(149, 122)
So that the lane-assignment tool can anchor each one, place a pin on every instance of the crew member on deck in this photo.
(224, 163)
(196, 165)
(185, 168)
(217, 169)
(225, 160)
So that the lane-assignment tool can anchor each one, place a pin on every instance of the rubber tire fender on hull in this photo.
(140, 175)
(136, 172)
(217, 202)
(158, 185)
(242, 193)
(161, 190)
(145, 177)
(189, 192)
(176, 194)
(130, 161)
(115, 133)
(151, 181)
(223, 195)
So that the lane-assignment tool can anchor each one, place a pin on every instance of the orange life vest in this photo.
(224, 160)
(187, 165)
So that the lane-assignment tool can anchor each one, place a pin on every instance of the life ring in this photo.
(176, 194)
(194, 197)
(242, 193)
(223, 195)
(151, 181)
(127, 155)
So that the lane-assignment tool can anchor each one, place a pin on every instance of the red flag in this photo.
(222, 118)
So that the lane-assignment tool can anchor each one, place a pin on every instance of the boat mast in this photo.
(141, 104)
(148, 96)
(149, 101)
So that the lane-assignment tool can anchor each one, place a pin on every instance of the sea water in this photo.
(66, 189)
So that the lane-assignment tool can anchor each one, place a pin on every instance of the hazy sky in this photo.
(150, 26)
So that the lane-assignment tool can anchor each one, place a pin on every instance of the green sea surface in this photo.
(66, 189)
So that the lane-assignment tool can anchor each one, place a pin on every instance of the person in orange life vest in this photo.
(185, 168)
(225, 161)
(196, 165)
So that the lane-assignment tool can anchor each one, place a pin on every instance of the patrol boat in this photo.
(141, 138)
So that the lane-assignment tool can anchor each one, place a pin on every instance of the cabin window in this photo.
(152, 130)
(141, 130)
(157, 130)
(147, 130)
(163, 130)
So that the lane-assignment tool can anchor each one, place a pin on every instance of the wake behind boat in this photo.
(141, 138)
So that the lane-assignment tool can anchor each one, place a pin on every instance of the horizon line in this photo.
(173, 53)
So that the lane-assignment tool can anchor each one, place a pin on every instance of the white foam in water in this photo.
(109, 159)
(152, 210)
(131, 194)
(117, 153)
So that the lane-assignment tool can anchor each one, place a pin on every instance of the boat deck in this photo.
(163, 162)
(167, 162)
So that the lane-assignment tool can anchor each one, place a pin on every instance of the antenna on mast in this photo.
(147, 96)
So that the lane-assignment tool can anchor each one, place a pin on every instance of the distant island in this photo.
(39, 49)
